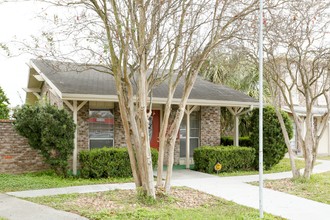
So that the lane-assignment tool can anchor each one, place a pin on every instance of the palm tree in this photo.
(236, 70)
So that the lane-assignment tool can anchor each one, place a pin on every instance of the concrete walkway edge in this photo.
(235, 188)
(18, 209)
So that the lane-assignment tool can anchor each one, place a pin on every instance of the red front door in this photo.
(154, 142)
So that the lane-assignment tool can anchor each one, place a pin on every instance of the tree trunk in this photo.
(308, 146)
(162, 140)
(143, 124)
(295, 172)
(173, 135)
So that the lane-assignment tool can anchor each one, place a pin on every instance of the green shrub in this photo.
(274, 147)
(229, 141)
(4, 103)
(108, 162)
(231, 158)
(50, 131)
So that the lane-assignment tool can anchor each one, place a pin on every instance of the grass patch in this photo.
(47, 179)
(282, 166)
(184, 203)
(324, 158)
(317, 188)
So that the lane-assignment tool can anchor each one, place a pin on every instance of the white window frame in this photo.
(93, 138)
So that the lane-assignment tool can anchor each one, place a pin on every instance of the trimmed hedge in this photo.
(231, 158)
(229, 141)
(108, 162)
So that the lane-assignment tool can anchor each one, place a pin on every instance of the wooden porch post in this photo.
(74, 108)
(236, 130)
(75, 149)
(188, 111)
(188, 138)
(236, 112)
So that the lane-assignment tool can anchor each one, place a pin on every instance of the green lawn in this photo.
(282, 166)
(317, 188)
(43, 180)
(324, 158)
(185, 203)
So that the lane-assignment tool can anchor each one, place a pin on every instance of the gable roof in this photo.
(81, 82)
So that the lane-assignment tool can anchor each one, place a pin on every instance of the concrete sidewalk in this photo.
(72, 189)
(276, 203)
(18, 209)
(237, 189)
(233, 188)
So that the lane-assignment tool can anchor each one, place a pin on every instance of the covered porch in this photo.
(88, 91)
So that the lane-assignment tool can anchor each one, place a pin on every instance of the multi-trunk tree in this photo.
(143, 44)
(297, 67)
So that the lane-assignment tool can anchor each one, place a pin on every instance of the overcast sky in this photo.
(16, 20)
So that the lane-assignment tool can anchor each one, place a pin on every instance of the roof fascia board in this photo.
(89, 97)
(32, 90)
(114, 98)
(55, 89)
(303, 114)
(39, 78)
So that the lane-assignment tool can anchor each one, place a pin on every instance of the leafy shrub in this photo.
(274, 147)
(4, 102)
(108, 162)
(50, 131)
(229, 141)
(231, 158)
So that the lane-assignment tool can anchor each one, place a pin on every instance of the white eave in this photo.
(301, 111)
(33, 90)
(114, 98)
(39, 78)
(44, 78)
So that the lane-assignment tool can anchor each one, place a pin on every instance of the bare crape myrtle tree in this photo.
(297, 69)
(142, 44)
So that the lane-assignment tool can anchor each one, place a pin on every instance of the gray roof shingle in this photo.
(82, 79)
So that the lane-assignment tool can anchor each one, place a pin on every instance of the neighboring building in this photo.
(320, 109)
(318, 113)
(91, 96)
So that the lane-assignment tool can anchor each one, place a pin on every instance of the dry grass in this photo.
(184, 203)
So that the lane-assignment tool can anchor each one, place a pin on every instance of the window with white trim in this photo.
(101, 128)
(194, 133)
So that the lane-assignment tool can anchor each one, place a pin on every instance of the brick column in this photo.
(210, 126)
(119, 133)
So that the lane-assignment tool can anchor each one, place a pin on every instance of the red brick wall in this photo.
(210, 126)
(16, 156)
(119, 132)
